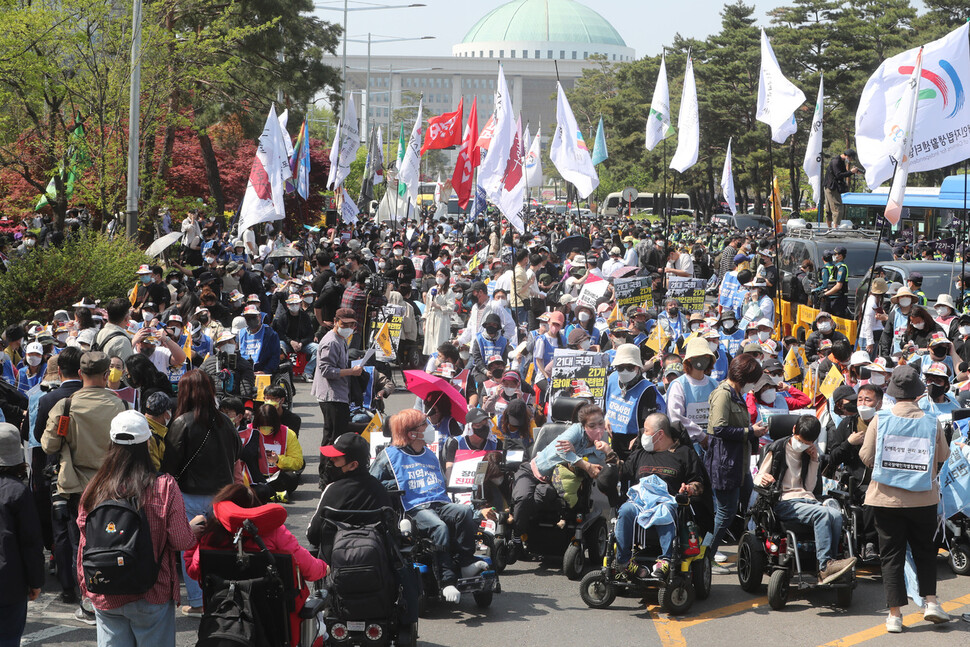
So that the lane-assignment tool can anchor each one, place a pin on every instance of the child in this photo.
(21, 546)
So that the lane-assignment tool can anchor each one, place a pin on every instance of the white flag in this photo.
(263, 201)
(410, 171)
(286, 135)
(348, 210)
(334, 157)
(813, 153)
(491, 173)
(569, 152)
(899, 141)
(688, 126)
(658, 122)
(513, 187)
(533, 162)
(727, 181)
(942, 132)
(350, 142)
(778, 98)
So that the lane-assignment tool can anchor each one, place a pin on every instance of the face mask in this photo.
(34, 360)
(492, 333)
(727, 326)
(210, 260)
(938, 390)
(763, 335)
(713, 345)
(798, 445)
(464, 355)
(877, 378)
(919, 325)
(145, 278)
(941, 311)
(939, 350)
(229, 349)
(481, 432)
(700, 364)
(774, 379)
(850, 407)
(381, 265)
(594, 434)
(440, 280)
(673, 313)
(62, 337)
(30, 242)
(646, 442)
(114, 375)
(768, 396)
(583, 316)
(345, 332)
(399, 252)
(293, 309)
(825, 326)
(308, 300)
(203, 318)
(333, 473)
(866, 413)
(509, 390)
(266, 431)
(503, 302)
(694, 327)
(585, 344)
(905, 302)
(252, 322)
(626, 376)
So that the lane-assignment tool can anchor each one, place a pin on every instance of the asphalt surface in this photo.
(539, 606)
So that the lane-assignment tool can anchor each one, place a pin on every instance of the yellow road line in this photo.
(880, 629)
(670, 628)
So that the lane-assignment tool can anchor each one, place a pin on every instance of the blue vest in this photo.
(419, 477)
(900, 322)
(368, 397)
(489, 347)
(721, 365)
(250, 344)
(934, 409)
(905, 451)
(621, 409)
(733, 341)
(694, 394)
(491, 444)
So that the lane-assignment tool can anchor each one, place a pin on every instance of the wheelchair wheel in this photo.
(596, 590)
(778, 589)
(677, 596)
(751, 563)
(408, 635)
(483, 599)
(843, 597)
(498, 552)
(573, 562)
(596, 543)
(959, 559)
(700, 574)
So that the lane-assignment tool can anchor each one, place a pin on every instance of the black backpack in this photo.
(100, 347)
(230, 617)
(360, 564)
(118, 558)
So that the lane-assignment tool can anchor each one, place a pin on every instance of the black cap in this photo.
(850, 152)
(350, 445)
(478, 286)
(475, 416)
(905, 383)
(844, 392)
(841, 251)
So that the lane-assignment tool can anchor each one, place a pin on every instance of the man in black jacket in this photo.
(835, 185)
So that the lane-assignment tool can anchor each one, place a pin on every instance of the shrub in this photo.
(88, 265)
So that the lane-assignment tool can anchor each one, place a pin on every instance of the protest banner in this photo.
(634, 291)
(392, 317)
(578, 374)
(690, 292)
(592, 291)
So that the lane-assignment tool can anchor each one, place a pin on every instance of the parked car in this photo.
(742, 221)
(939, 277)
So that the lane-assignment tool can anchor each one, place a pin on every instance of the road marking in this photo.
(670, 628)
(880, 629)
(44, 634)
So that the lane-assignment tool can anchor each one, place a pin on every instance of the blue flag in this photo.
(303, 162)
(479, 207)
(600, 153)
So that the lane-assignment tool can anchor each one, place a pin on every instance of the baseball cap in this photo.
(11, 447)
(349, 445)
(129, 428)
(94, 362)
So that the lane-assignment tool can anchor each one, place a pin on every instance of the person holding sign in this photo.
(687, 396)
(904, 447)
(408, 465)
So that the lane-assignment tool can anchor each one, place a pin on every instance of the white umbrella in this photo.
(163, 243)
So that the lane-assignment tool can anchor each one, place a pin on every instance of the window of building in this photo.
(476, 84)
(407, 82)
(491, 53)
(501, 53)
(548, 54)
(511, 53)
(525, 53)
(447, 83)
(537, 54)
(574, 55)
(562, 53)
(491, 84)
(481, 53)
(585, 55)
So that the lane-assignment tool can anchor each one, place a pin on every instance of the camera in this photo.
(376, 283)
(227, 360)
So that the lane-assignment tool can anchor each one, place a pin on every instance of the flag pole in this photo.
(820, 207)
(963, 241)
(861, 309)
(576, 191)
(663, 200)
(774, 220)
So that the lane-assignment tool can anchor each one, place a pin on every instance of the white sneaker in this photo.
(894, 624)
(720, 557)
(935, 613)
(451, 594)
(474, 569)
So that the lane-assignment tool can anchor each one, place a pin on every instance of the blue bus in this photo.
(934, 212)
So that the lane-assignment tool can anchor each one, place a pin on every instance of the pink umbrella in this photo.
(421, 384)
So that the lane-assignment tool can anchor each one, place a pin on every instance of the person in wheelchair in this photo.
(408, 465)
(656, 452)
(583, 447)
(227, 506)
(477, 439)
(274, 463)
(793, 464)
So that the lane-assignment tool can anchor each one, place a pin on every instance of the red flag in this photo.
(444, 131)
(468, 158)
(486, 138)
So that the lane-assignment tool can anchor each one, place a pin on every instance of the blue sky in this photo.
(645, 25)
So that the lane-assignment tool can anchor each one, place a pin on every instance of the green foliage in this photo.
(45, 280)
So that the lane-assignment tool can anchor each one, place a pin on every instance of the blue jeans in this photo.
(725, 507)
(826, 521)
(626, 524)
(195, 504)
(136, 624)
(452, 528)
(13, 619)
(311, 362)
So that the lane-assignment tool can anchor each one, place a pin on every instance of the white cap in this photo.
(34, 347)
(129, 428)
(860, 358)
(238, 324)
(627, 354)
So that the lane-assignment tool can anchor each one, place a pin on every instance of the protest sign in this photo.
(690, 292)
(591, 293)
(578, 374)
(393, 318)
(634, 291)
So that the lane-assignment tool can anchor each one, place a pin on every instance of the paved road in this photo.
(539, 606)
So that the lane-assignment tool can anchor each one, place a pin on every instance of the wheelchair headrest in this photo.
(566, 409)
(266, 518)
(961, 414)
(781, 426)
(547, 433)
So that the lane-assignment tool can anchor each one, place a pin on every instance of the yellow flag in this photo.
(792, 370)
(187, 347)
(384, 340)
(831, 382)
(375, 424)
(133, 295)
(658, 339)
(262, 381)
(614, 315)
(776, 204)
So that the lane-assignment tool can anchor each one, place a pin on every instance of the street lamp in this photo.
(369, 41)
(368, 7)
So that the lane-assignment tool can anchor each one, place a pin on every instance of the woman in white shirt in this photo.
(873, 316)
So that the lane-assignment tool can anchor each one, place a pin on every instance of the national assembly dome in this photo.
(543, 29)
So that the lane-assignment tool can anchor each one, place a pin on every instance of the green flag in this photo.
(402, 146)
(77, 160)
(600, 153)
